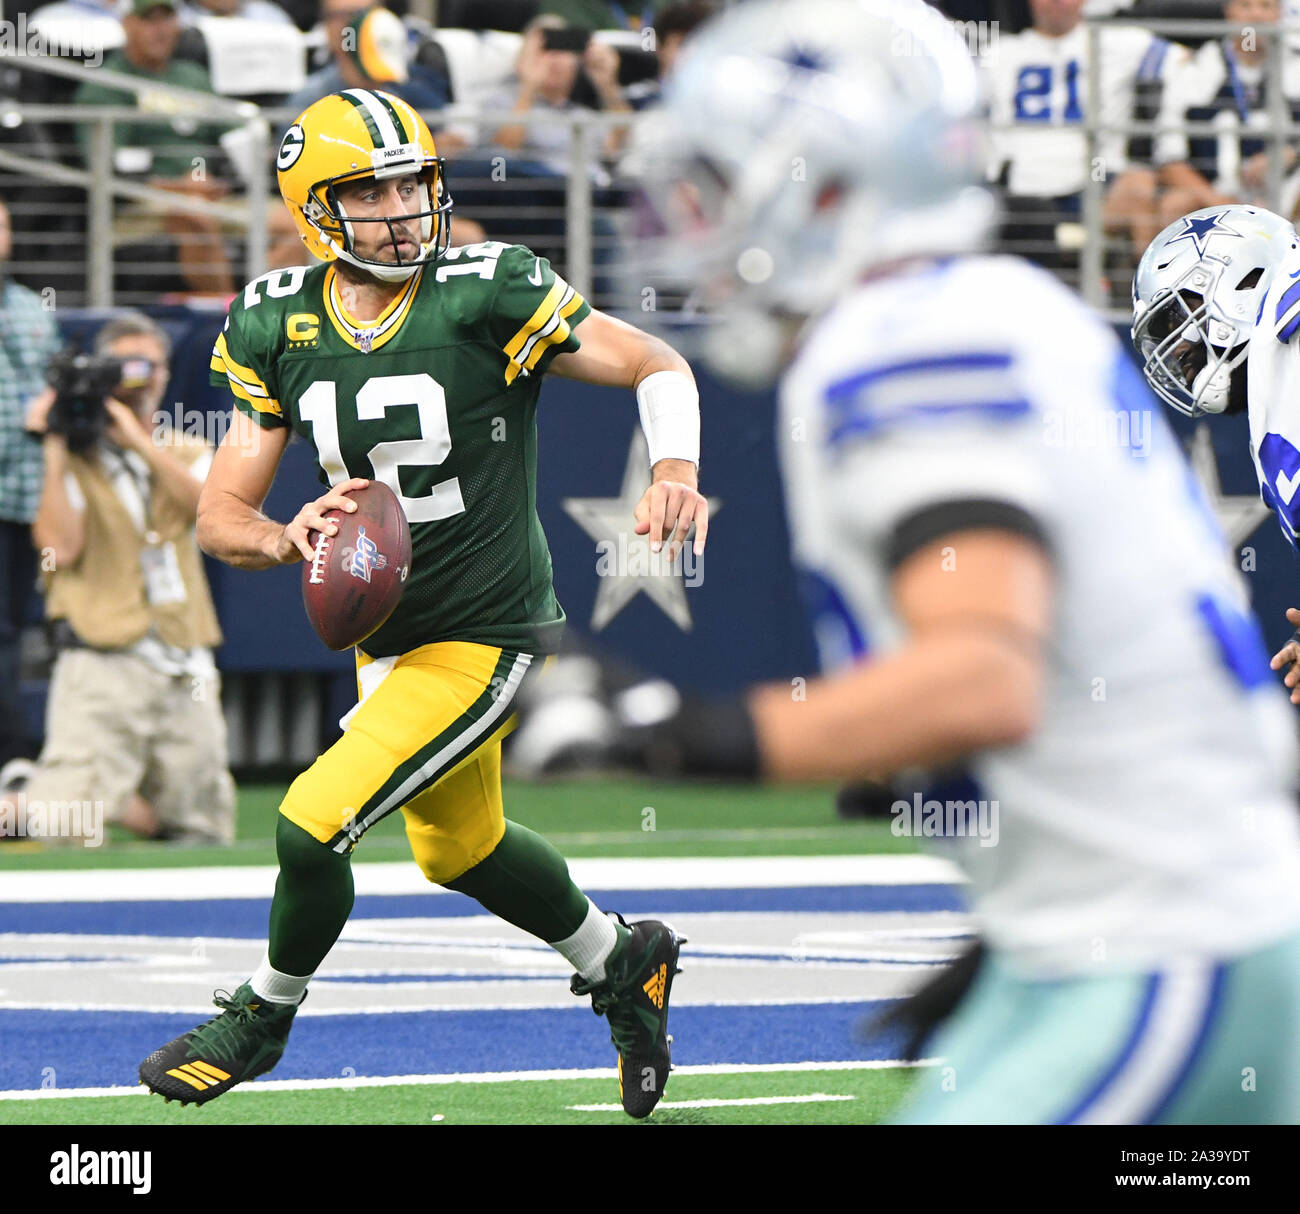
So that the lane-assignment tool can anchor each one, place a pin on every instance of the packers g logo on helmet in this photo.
(350, 136)
(290, 148)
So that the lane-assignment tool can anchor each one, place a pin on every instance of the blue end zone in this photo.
(246, 918)
(102, 1049)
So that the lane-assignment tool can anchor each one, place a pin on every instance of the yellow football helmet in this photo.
(355, 134)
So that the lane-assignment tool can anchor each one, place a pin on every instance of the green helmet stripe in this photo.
(367, 110)
(405, 135)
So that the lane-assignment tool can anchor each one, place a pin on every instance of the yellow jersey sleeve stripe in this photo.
(251, 389)
(537, 320)
(263, 404)
(560, 333)
(552, 322)
(247, 374)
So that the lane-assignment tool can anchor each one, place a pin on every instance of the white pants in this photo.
(115, 727)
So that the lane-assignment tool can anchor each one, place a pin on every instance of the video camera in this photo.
(81, 382)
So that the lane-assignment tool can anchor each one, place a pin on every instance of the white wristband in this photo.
(670, 416)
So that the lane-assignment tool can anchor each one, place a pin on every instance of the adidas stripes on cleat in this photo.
(634, 998)
(246, 1040)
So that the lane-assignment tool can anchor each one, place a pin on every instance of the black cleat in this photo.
(634, 998)
(245, 1041)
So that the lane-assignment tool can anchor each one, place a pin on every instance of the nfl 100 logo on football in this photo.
(364, 558)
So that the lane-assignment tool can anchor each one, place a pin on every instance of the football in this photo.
(355, 578)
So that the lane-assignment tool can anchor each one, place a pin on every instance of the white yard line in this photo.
(347, 1083)
(402, 877)
(811, 1098)
(391, 1009)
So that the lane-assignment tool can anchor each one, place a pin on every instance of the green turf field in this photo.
(583, 819)
(791, 1097)
(609, 818)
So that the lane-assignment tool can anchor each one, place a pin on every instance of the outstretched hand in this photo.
(671, 506)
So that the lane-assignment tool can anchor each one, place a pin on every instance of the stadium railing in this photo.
(102, 185)
(66, 217)
(571, 207)
(1101, 265)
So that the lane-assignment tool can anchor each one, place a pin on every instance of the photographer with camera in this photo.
(28, 337)
(134, 718)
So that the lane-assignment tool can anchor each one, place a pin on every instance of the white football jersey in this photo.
(1150, 814)
(1273, 397)
(1038, 96)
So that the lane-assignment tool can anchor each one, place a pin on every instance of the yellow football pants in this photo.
(426, 740)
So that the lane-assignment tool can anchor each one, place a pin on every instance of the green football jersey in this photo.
(437, 398)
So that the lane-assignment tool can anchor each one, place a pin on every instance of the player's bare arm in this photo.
(969, 678)
(618, 355)
(231, 525)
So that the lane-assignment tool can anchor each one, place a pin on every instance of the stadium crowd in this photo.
(1184, 123)
(1188, 120)
(495, 58)
(496, 79)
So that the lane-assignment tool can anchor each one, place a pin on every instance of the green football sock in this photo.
(525, 881)
(313, 899)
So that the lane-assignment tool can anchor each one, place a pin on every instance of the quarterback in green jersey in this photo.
(403, 360)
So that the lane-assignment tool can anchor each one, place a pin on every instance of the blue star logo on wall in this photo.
(1199, 230)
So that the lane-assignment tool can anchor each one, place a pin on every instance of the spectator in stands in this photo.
(163, 152)
(248, 10)
(544, 81)
(28, 337)
(674, 24)
(606, 14)
(1037, 84)
(353, 66)
(134, 717)
(1226, 85)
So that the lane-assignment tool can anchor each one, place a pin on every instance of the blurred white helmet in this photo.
(1197, 296)
(804, 144)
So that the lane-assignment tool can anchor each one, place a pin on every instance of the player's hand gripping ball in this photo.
(355, 578)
